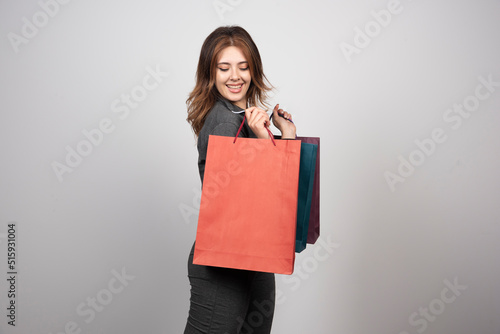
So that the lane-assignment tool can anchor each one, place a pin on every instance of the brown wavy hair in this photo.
(205, 93)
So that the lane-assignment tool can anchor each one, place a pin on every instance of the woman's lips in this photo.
(235, 88)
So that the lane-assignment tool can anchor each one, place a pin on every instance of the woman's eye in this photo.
(227, 69)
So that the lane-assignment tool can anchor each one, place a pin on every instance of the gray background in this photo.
(131, 204)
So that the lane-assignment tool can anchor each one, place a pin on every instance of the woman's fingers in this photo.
(282, 112)
(257, 120)
(256, 116)
(283, 121)
(285, 114)
(281, 117)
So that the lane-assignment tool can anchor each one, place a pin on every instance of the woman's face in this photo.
(233, 76)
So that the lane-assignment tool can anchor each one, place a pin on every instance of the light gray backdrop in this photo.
(99, 172)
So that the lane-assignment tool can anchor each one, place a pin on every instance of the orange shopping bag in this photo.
(248, 208)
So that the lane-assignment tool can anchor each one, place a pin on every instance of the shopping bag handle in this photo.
(239, 130)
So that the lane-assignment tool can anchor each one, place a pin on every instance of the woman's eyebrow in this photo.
(226, 63)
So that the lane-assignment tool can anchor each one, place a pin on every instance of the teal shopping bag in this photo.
(314, 218)
(308, 153)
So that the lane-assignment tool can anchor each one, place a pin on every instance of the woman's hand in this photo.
(258, 121)
(286, 127)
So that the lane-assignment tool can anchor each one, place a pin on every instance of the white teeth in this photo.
(234, 87)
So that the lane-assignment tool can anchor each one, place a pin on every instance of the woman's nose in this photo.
(234, 75)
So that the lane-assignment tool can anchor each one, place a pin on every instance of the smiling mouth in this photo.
(234, 88)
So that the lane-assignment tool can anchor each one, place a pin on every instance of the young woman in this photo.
(230, 83)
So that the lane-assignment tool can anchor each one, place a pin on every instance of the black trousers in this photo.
(229, 301)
